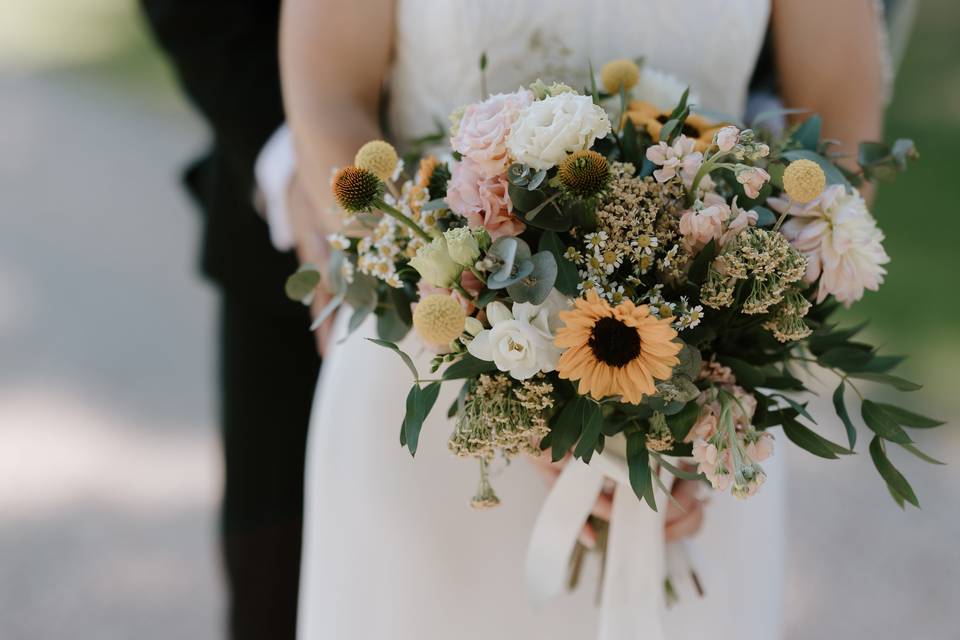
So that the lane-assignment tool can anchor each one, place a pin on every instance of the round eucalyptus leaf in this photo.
(536, 286)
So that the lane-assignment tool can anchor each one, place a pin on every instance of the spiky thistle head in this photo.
(584, 173)
(356, 189)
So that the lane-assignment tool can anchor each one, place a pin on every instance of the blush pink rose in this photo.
(482, 200)
(482, 133)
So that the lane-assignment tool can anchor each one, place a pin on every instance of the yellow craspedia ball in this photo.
(377, 157)
(619, 73)
(439, 319)
(804, 180)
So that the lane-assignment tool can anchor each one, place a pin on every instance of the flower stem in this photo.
(463, 292)
(399, 216)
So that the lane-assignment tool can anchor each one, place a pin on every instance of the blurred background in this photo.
(109, 468)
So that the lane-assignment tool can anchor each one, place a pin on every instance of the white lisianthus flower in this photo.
(841, 241)
(434, 264)
(462, 246)
(661, 89)
(548, 130)
(520, 341)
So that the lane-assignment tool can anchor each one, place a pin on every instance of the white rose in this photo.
(434, 264)
(549, 129)
(521, 342)
(462, 246)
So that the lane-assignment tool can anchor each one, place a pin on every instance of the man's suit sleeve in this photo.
(224, 53)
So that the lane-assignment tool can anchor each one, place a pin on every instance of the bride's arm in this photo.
(829, 60)
(333, 60)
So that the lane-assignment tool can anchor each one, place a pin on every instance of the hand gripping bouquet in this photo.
(596, 271)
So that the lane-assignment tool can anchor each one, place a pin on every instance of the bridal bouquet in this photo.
(596, 270)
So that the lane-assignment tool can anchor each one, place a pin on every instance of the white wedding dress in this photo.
(392, 549)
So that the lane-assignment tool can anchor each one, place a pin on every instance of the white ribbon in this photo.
(633, 578)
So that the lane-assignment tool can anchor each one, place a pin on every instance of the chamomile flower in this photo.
(338, 241)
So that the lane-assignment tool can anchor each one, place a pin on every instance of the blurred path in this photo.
(108, 463)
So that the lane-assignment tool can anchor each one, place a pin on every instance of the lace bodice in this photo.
(710, 44)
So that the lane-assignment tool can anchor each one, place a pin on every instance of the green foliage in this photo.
(468, 367)
(909, 418)
(681, 422)
(807, 439)
(407, 360)
(420, 402)
(302, 284)
(900, 489)
(568, 425)
(882, 423)
(884, 378)
(807, 135)
(841, 409)
(537, 285)
(638, 466)
(567, 276)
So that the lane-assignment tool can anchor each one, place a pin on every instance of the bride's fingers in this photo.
(685, 493)
(685, 526)
(588, 536)
(603, 506)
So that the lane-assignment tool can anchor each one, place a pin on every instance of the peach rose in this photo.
(483, 201)
(482, 131)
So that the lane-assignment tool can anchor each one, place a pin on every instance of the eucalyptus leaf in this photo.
(468, 367)
(677, 471)
(841, 408)
(765, 217)
(845, 358)
(895, 481)
(407, 360)
(882, 423)
(537, 285)
(887, 379)
(590, 436)
(807, 134)
(537, 179)
(638, 467)
(420, 402)
(807, 439)
(747, 374)
(390, 326)
(908, 418)
(302, 284)
(920, 454)
(326, 312)
(680, 423)
(568, 426)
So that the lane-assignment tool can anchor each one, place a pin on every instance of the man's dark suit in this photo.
(225, 55)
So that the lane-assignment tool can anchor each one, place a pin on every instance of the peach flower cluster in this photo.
(477, 189)
(713, 219)
(726, 447)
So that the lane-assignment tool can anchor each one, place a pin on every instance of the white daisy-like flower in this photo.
(338, 241)
(596, 240)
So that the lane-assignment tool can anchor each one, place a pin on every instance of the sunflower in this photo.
(697, 128)
(615, 351)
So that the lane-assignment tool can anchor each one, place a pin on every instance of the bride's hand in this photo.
(312, 247)
(683, 518)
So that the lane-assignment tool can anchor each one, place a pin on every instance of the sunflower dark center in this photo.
(614, 343)
(688, 129)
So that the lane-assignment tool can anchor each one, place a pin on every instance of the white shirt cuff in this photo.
(273, 170)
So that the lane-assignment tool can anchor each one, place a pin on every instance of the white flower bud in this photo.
(462, 246)
(434, 264)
